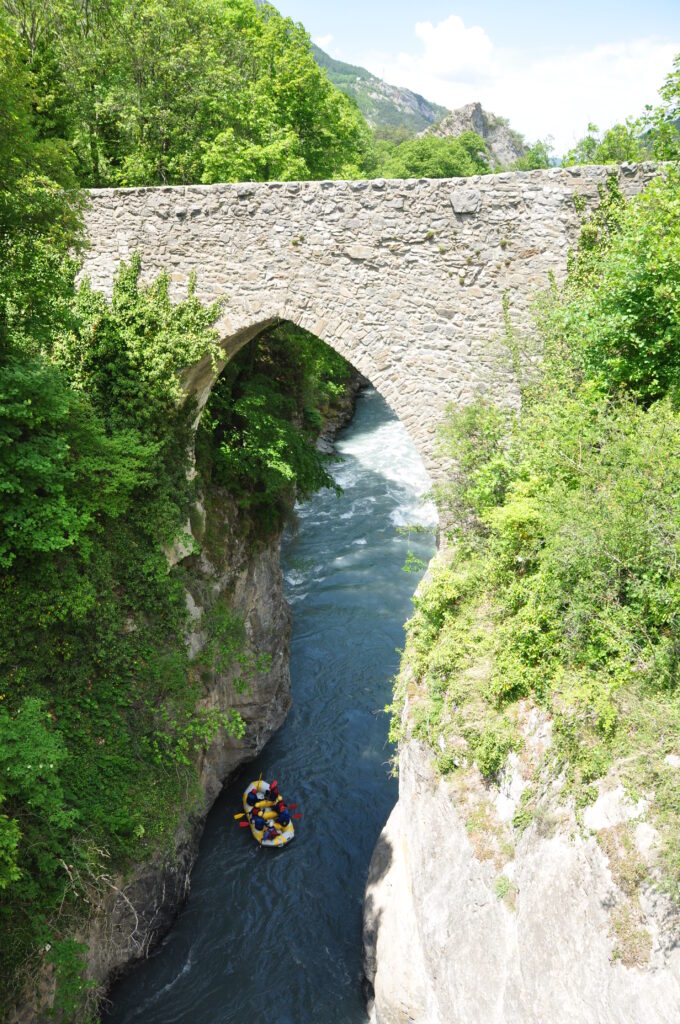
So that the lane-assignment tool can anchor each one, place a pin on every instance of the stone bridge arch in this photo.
(198, 379)
(409, 280)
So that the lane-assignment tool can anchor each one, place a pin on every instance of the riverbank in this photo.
(537, 705)
(467, 918)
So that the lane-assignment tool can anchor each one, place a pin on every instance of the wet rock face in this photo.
(453, 934)
(260, 602)
(138, 911)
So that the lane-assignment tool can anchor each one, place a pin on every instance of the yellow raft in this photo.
(278, 835)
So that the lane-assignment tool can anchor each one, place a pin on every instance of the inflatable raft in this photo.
(262, 813)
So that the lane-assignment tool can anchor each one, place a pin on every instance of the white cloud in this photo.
(452, 50)
(555, 96)
(324, 41)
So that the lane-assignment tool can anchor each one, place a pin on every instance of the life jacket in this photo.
(271, 833)
(284, 817)
(257, 823)
(251, 799)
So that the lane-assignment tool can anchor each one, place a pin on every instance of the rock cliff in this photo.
(505, 145)
(140, 908)
(467, 919)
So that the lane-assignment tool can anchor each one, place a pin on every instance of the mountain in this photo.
(505, 145)
(381, 104)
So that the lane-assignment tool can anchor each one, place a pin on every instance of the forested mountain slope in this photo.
(383, 105)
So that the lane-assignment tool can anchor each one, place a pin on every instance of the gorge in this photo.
(297, 914)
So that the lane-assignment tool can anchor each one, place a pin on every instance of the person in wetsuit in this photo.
(283, 815)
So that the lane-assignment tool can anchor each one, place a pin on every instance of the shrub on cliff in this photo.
(563, 587)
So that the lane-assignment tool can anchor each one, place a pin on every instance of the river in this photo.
(277, 933)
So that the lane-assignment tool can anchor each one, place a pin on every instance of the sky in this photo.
(549, 68)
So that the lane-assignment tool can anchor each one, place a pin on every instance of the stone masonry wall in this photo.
(404, 278)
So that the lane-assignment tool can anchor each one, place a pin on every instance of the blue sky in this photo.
(550, 68)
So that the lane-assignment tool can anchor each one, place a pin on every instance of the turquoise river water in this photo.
(276, 934)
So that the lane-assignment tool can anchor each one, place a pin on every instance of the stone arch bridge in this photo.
(406, 279)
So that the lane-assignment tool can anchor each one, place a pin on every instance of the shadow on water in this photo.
(278, 932)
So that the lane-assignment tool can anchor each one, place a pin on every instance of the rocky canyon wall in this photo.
(468, 921)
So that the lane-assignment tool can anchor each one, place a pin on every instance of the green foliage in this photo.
(10, 837)
(226, 647)
(502, 886)
(126, 355)
(490, 748)
(257, 433)
(524, 815)
(653, 136)
(38, 220)
(32, 753)
(538, 156)
(661, 124)
(620, 319)
(616, 145)
(413, 563)
(58, 467)
(191, 91)
(68, 958)
(477, 435)
(429, 156)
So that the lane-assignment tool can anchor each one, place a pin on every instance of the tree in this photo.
(174, 91)
(538, 156)
(39, 217)
(429, 156)
(661, 124)
(620, 317)
(654, 135)
(58, 468)
(616, 145)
